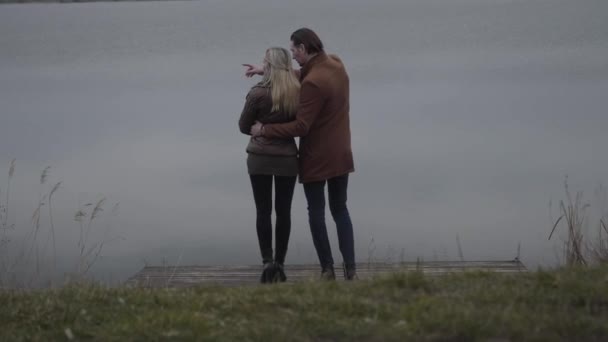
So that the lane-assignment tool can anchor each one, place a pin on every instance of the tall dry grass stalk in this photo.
(371, 248)
(89, 252)
(55, 188)
(11, 172)
(4, 223)
(599, 249)
(29, 252)
(460, 253)
(5, 226)
(573, 213)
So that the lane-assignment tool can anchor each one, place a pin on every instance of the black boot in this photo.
(268, 273)
(328, 273)
(350, 272)
(279, 275)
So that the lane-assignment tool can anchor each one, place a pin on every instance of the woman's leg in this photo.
(284, 187)
(262, 194)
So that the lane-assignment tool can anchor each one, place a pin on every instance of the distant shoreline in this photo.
(74, 1)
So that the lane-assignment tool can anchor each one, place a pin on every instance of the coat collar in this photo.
(320, 57)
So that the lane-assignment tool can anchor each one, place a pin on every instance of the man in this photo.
(322, 121)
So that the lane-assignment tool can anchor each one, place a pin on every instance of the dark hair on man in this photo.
(309, 38)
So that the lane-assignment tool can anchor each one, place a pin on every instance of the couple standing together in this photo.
(313, 104)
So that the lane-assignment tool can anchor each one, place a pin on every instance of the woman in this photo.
(273, 100)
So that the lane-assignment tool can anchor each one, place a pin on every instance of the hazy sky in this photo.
(465, 117)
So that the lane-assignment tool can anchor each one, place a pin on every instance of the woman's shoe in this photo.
(268, 273)
(350, 272)
(328, 274)
(279, 275)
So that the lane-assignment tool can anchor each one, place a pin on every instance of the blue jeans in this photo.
(315, 196)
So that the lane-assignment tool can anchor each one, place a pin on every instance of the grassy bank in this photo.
(552, 306)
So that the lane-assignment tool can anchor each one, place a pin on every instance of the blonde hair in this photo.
(279, 76)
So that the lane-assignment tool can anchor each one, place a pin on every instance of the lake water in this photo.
(466, 116)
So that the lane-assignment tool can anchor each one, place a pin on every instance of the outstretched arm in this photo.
(253, 70)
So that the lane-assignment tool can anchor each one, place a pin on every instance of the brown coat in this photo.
(322, 121)
(258, 106)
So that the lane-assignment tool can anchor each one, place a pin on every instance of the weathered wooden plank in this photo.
(239, 275)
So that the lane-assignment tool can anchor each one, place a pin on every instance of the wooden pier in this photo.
(187, 276)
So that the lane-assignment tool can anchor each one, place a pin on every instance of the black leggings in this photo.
(262, 193)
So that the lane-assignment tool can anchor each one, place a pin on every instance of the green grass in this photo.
(540, 306)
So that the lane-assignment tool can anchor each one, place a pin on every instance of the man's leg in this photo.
(337, 188)
(315, 196)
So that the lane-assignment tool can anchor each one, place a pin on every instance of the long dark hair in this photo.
(309, 39)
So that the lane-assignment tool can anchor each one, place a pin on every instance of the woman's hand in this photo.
(253, 70)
